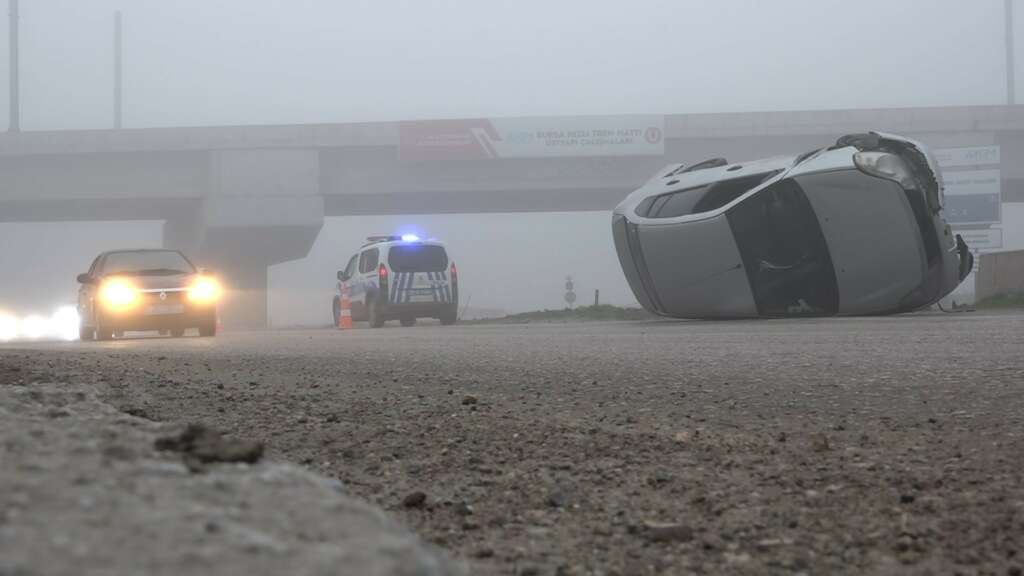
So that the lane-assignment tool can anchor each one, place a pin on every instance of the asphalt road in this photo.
(864, 445)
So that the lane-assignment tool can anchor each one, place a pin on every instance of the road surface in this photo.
(864, 445)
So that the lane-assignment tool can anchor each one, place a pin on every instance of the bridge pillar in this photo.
(262, 208)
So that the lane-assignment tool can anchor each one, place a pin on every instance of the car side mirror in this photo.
(342, 276)
(86, 279)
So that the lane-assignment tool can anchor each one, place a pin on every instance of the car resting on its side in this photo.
(853, 229)
(399, 278)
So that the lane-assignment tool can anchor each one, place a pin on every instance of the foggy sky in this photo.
(196, 62)
(199, 62)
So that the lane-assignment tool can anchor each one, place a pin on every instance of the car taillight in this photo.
(382, 282)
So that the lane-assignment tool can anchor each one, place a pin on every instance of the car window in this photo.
(350, 269)
(418, 258)
(95, 266)
(147, 262)
(677, 203)
(368, 260)
(701, 198)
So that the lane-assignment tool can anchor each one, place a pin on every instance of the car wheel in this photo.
(449, 316)
(408, 321)
(373, 314)
(177, 332)
(208, 329)
(337, 311)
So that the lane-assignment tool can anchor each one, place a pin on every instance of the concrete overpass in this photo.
(244, 198)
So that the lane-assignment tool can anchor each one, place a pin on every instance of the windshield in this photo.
(155, 262)
(418, 258)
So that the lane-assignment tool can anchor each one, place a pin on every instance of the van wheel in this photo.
(408, 321)
(373, 315)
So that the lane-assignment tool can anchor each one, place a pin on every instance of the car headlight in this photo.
(204, 290)
(885, 165)
(118, 295)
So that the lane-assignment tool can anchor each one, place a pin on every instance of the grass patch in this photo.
(603, 312)
(1002, 301)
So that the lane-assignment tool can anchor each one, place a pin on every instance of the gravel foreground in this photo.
(840, 446)
(83, 492)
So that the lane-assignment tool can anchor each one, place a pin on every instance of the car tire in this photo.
(373, 315)
(208, 329)
(336, 306)
(449, 316)
(407, 321)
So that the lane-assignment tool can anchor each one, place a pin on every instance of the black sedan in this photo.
(140, 290)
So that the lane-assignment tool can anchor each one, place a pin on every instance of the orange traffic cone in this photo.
(345, 316)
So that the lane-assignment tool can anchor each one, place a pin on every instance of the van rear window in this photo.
(418, 258)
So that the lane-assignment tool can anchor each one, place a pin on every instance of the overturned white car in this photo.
(853, 229)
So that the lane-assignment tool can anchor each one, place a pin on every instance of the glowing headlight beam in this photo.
(8, 327)
(204, 290)
(118, 294)
(65, 323)
(35, 327)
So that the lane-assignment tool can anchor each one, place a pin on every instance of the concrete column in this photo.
(261, 207)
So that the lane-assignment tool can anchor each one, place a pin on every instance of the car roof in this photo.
(139, 250)
(389, 243)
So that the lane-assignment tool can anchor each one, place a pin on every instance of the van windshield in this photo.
(418, 258)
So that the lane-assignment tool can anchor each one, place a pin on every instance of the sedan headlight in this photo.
(204, 291)
(885, 165)
(118, 295)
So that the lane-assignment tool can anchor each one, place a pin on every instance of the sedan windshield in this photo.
(149, 263)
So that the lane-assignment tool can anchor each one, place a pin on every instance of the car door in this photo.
(87, 292)
(368, 262)
(351, 274)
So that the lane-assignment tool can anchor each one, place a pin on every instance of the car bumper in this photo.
(139, 320)
(417, 309)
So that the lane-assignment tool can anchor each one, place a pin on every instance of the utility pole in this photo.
(1011, 76)
(15, 116)
(118, 78)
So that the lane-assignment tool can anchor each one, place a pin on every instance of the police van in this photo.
(399, 278)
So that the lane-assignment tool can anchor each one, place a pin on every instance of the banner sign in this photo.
(482, 139)
(968, 156)
(973, 197)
